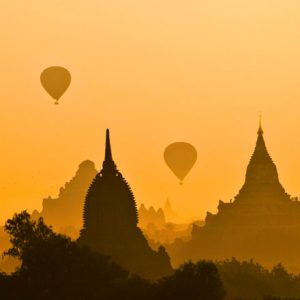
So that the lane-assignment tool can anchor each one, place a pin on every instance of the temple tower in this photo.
(261, 223)
(110, 223)
(261, 180)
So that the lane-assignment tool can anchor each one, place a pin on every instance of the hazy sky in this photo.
(154, 72)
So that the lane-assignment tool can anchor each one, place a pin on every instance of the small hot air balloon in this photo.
(55, 81)
(180, 157)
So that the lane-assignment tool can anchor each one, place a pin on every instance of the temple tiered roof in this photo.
(261, 181)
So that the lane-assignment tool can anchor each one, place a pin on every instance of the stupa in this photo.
(111, 223)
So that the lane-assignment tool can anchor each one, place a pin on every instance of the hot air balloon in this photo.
(55, 81)
(180, 157)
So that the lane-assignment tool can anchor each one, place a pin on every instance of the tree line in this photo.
(55, 267)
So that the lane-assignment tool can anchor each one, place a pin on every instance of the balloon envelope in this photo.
(180, 157)
(55, 81)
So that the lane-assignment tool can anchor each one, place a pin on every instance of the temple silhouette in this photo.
(64, 213)
(110, 223)
(151, 217)
(261, 223)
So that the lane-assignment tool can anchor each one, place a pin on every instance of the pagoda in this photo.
(111, 223)
(261, 223)
(64, 213)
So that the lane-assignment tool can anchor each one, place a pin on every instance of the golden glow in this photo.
(154, 72)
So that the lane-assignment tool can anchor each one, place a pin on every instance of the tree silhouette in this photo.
(249, 280)
(191, 281)
(54, 267)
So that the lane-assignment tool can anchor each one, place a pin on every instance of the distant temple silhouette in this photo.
(110, 223)
(151, 216)
(64, 213)
(262, 222)
(262, 185)
(170, 214)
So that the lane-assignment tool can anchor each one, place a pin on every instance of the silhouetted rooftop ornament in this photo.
(108, 163)
(108, 155)
(260, 131)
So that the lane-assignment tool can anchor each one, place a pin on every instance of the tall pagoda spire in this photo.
(108, 163)
(260, 131)
(108, 155)
(260, 154)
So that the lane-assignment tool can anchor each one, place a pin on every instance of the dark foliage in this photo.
(54, 267)
(249, 280)
(275, 298)
(200, 281)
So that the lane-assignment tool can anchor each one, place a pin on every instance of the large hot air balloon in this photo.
(180, 158)
(55, 81)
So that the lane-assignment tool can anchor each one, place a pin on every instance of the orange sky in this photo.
(154, 72)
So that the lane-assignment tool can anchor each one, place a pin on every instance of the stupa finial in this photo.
(260, 130)
(108, 155)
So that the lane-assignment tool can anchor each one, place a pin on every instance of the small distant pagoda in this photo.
(261, 223)
(110, 223)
